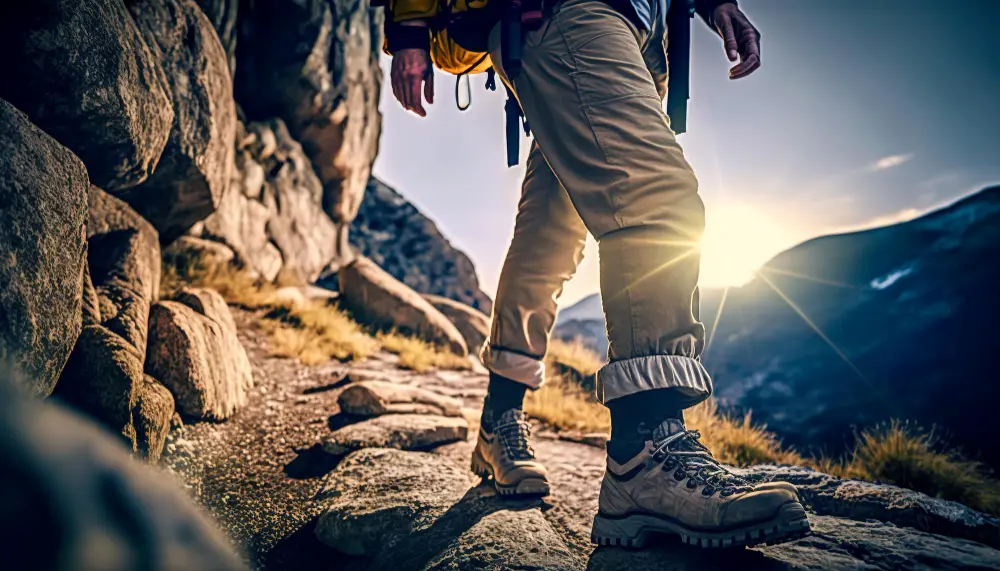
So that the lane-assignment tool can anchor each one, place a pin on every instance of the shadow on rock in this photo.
(312, 462)
(423, 547)
(670, 554)
(302, 551)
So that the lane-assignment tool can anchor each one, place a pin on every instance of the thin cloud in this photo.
(889, 219)
(889, 162)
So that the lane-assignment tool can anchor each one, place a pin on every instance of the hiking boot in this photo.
(503, 455)
(675, 486)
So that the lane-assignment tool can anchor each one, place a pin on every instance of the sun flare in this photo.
(738, 240)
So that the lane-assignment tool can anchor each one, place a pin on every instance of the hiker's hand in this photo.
(740, 39)
(413, 79)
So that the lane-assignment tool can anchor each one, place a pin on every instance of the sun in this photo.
(738, 240)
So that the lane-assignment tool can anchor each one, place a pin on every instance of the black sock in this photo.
(502, 395)
(633, 418)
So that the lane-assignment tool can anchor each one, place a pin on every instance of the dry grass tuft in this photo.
(910, 457)
(315, 332)
(572, 359)
(235, 284)
(418, 355)
(737, 441)
(563, 404)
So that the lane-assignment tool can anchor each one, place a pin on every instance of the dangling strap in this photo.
(513, 111)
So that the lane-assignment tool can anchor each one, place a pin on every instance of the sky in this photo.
(864, 113)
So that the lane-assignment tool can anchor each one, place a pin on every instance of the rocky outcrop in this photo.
(859, 500)
(377, 299)
(474, 325)
(82, 72)
(196, 167)
(385, 503)
(72, 499)
(374, 398)
(189, 249)
(273, 216)
(43, 197)
(400, 431)
(104, 375)
(314, 64)
(408, 245)
(194, 352)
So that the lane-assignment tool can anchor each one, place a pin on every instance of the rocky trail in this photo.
(282, 481)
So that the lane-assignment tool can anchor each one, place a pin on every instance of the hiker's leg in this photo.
(596, 115)
(544, 253)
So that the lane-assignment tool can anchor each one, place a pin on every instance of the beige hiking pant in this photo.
(605, 161)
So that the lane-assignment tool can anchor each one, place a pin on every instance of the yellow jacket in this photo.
(446, 54)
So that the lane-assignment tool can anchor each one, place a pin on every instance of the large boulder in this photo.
(196, 166)
(409, 245)
(314, 64)
(384, 503)
(72, 499)
(104, 376)
(194, 351)
(474, 325)
(43, 198)
(375, 298)
(273, 215)
(82, 72)
(223, 14)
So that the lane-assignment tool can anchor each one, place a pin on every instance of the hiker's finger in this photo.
(414, 89)
(429, 87)
(745, 67)
(725, 26)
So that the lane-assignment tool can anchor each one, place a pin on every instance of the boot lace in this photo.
(514, 434)
(688, 458)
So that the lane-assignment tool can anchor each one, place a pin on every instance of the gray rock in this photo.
(104, 375)
(474, 325)
(82, 72)
(502, 539)
(376, 496)
(836, 545)
(192, 248)
(43, 197)
(377, 299)
(194, 352)
(854, 499)
(375, 398)
(152, 417)
(314, 64)
(196, 167)
(273, 216)
(408, 245)
(412, 510)
(72, 499)
(400, 431)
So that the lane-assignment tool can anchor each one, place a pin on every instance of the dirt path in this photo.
(259, 472)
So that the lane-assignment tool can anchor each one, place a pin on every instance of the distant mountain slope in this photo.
(908, 315)
(408, 245)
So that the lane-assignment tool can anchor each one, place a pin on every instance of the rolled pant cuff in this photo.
(515, 366)
(685, 374)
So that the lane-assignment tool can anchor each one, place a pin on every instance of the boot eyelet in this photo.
(692, 483)
(679, 475)
(707, 491)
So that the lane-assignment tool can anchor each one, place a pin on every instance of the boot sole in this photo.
(636, 530)
(528, 487)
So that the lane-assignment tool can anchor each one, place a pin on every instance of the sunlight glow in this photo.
(738, 240)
